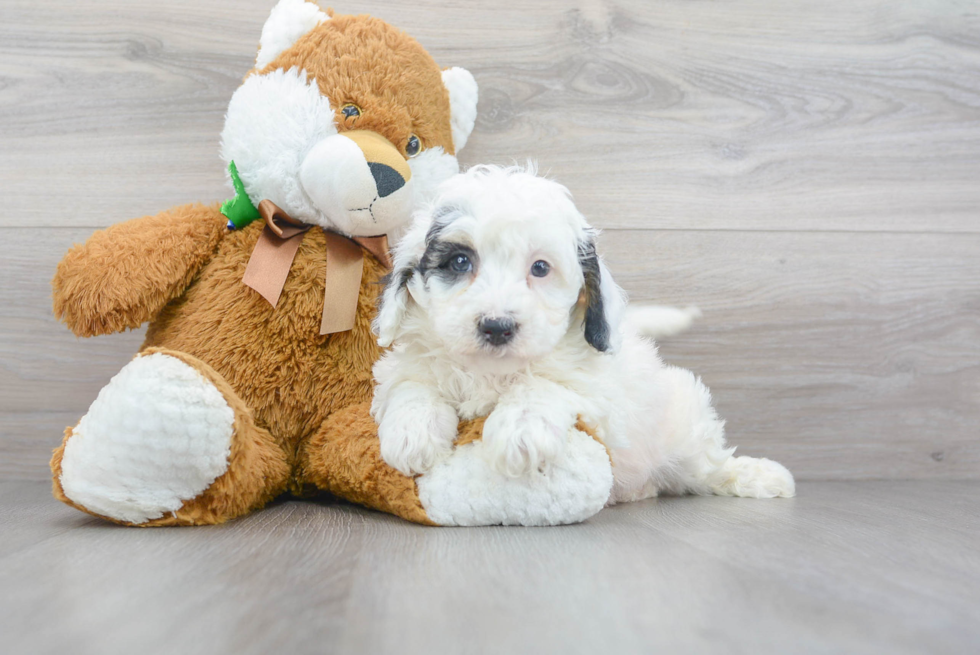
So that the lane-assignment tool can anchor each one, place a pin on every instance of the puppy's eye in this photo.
(413, 147)
(460, 263)
(350, 110)
(540, 268)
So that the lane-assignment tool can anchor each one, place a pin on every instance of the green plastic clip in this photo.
(239, 210)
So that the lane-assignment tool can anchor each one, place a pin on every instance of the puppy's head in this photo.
(500, 268)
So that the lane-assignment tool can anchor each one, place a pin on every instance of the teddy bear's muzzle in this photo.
(360, 181)
(386, 178)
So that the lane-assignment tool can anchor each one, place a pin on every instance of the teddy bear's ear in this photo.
(463, 95)
(288, 21)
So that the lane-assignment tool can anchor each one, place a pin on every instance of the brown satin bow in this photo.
(273, 255)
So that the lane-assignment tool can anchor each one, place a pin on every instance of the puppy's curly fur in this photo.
(500, 305)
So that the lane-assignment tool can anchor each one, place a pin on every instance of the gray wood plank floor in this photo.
(856, 567)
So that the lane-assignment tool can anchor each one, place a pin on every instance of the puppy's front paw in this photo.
(414, 438)
(519, 440)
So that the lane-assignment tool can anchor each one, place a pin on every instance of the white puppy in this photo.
(500, 306)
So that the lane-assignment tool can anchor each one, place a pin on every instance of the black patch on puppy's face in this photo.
(442, 257)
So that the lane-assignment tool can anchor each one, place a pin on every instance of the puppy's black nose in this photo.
(497, 331)
(387, 178)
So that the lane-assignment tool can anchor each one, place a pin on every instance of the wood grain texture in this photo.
(750, 115)
(847, 356)
(844, 356)
(850, 567)
(806, 175)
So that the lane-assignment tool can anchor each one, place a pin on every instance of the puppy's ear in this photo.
(392, 305)
(604, 300)
(394, 300)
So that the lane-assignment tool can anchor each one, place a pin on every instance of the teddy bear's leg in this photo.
(344, 458)
(168, 442)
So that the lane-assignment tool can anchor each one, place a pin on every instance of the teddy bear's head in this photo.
(345, 122)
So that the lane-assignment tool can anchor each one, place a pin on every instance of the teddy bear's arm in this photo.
(124, 275)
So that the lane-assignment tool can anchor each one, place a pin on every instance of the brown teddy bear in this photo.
(255, 375)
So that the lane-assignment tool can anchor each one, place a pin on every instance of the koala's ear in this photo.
(463, 95)
(288, 21)
(604, 300)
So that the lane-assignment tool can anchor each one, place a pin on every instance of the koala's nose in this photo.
(497, 331)
(387, 179)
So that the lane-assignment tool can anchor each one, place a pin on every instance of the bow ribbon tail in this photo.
(345, 264)
(268, 267)
(271, 259)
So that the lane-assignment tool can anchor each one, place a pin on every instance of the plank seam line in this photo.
(618, 229)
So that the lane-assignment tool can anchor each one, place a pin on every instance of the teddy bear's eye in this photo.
(350, 110)
(413, 147)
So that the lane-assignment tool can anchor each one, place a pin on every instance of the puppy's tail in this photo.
(658, 321)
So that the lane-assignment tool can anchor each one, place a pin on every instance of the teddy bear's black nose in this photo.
(497, 331)
(386, 178)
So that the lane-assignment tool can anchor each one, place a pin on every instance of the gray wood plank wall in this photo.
(806, 173)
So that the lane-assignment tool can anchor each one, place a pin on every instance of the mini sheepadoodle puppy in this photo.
(499, 306)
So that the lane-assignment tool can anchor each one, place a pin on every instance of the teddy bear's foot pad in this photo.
(157, 435)
(466, 490)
